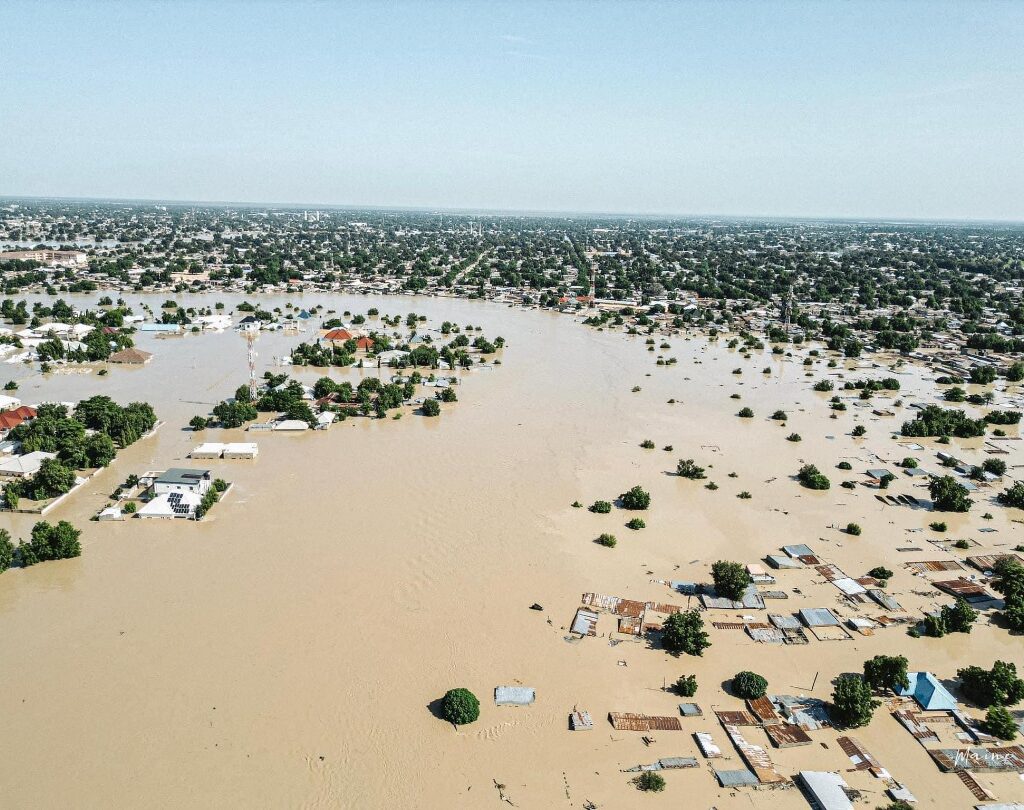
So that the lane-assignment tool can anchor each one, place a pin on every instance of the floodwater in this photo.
(288, 651)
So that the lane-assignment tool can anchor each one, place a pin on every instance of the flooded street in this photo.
(285, 652)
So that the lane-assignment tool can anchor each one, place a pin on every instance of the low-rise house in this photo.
(179, 479)
(22, 467)
(12, 418)
(132, 356)
(929, 693)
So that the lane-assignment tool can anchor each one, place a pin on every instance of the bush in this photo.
(607, 540)
(650, 782)
(749, 685)
(962, 544)
(880, 572)
(1013, 497)
(812, 478)
(779, 416)
(1000, 723)
(731, 579)
(859, 430)
(636, 524)
(844, 465)
(431, 407)
(909, 463)
(687, 468)
(886, 672)
(852, 703)
(948, 495)
(635, 499)
(460, 706)
(823, 385)
(937, 526)
(853, 528)
(129, 508)
(995, 466)
(197, 423)
(746, 413)
(793, 437)
(600, 507)
(686, 685)
(683, 632)
(985, 687)
(647, 444)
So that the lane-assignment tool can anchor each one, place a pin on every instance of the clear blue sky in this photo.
(894, 109)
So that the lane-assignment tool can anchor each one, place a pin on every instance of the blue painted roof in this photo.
(928, 692)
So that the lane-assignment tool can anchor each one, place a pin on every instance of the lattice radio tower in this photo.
(250, 336)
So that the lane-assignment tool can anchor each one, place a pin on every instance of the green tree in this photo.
(1000, 723)
(52, 542)
(686, 685)
(431, 407)
(197, 423)
(1013, 497)
(687, 468)
(749, 685)
(948, 495)
(731, 579)
(6, 550)
(887, 672)
(460, 706)
(683, 632)
(635, 499)
(852, 703)
(650, 782)
(812, 478)
(53, 479)
(987, 686)
(959, 617)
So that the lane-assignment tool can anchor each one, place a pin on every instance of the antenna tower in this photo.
(250, 339)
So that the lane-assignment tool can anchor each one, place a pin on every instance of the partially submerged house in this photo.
(929, 693)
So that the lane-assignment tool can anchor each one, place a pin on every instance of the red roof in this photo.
(11, 419)
(338, 334)
(364, 343)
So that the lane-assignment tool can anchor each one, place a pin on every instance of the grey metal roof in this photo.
(818, 617)
(736, 778)
(798, 550)
(182, 475)
(514, 695)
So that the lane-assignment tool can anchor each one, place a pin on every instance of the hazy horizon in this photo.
(783, 110)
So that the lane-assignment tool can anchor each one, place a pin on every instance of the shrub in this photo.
(746, 413)
(749, 685)
(711, 485)
(647, 444)
(948, 495)
(886, 672)
(576, 505)
(849, 485)
(129, 508)
(985, 687)
(909, 463)
(880, 572)
(650, 782)
(823, 385)
(687, 468)
(635, 499)
(636, 524)
(731, 579)
(937, 526)
(460, 706)
(844, 465)
(995, 466)
(600, 507)
(1000, 723)
(852, 703)
(812, 478)
(683, 632)
(962, 544)
(607, 540)
(793, 437)
(686, 685)
(853, 528)
(859, 430)
(1013, 497)
(744, 495)
(779, 416)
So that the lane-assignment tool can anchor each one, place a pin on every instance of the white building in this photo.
(179, 479)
